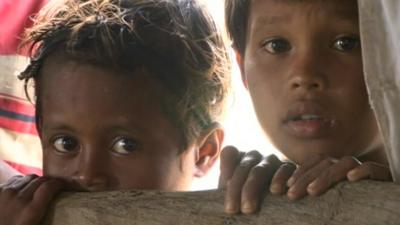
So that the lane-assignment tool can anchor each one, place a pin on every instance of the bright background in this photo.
(241, 126)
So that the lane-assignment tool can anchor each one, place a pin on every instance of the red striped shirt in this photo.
(16, 114)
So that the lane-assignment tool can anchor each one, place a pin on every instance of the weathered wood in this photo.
(360, 203)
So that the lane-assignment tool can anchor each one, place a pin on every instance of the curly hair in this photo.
(177, 41)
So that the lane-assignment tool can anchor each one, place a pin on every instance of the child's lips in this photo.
(310, 128)
(307, 120)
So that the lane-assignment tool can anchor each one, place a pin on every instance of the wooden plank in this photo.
(361, 203)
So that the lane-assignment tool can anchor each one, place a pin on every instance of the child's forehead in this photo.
(280, 11)
(70, 73)
(348, 6)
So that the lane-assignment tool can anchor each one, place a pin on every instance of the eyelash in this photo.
(353, 42)
(118, 139)
(276, 41)
(63, 138)
(60, 145)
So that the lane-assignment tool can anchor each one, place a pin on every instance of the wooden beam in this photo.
(361, 203)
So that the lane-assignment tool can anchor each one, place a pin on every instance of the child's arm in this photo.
(24, 200)
(247, 176)
(320, 173)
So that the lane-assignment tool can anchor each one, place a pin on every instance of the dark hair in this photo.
(236, 18)
(175, 40)
(237, 14)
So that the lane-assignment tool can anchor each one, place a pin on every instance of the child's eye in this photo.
(346, 43)
(276, 45)
(124, 146)
(65, 144)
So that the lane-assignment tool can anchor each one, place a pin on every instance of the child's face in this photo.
(108, 131)
(303, 68)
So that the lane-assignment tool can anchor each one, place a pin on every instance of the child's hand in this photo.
(24, 200)
(320, 173)
(6, 171)
(247, 176)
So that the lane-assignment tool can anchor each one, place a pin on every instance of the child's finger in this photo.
(370, 170)
(282, 175)
(29, 190)
(230, 158)
(255, 186)
(13, 186)
(235, 184)
(304, 168)
(19, 181)
(332, 175)
(299, 189)
(45, 192)
(48, 190)
(9, 181)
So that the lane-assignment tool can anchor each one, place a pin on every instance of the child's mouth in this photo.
(309, 125)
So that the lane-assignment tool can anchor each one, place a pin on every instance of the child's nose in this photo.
(93, 174)
(307, 83)
(91, 182)
(306, 73)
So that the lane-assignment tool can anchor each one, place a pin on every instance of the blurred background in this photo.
(241, 125)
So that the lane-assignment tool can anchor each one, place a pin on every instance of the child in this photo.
(301, 62)
(128, 95)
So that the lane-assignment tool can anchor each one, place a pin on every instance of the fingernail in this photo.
(311, 186)
(312, 189)
(290, 194)
(247, 207)
(275, 188)
(351, 176)
(290, 182)
(231, 208)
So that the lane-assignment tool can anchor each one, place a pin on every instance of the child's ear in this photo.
(240, 62)
(209, 149)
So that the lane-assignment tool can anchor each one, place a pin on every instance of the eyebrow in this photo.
(346, 15)
(57, 127)
(348, 12)
(268, 20)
